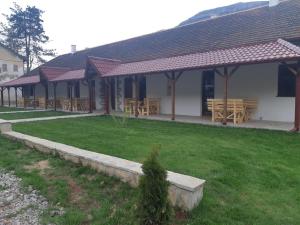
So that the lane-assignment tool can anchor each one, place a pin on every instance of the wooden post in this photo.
(90, 95)
(297, 100)
(173, 80)
(24, 97)
(46, 95)
(226, 78)
(71, 96)
(8, 95)
(107, 94)
(2, 100)
(16, 96)
(34, 97)
(136, 85)
(54, 92)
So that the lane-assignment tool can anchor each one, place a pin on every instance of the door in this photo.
(208, 89)
(128, 87)
(142, 88)
(113, 94)
(93, 94)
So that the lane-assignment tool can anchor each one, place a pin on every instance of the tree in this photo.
(153, 205)
(23, 32)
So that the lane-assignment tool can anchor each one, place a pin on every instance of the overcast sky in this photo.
(89, 23)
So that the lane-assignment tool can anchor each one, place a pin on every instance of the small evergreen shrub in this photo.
(153, 204)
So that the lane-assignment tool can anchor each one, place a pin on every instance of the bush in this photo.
(153, 204)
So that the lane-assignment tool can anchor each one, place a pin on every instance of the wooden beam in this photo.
(218, 72)
(8, 95)
(71, 95)
(178, 76)
(54, 92)
(46, 95)
(90, 95)
(173, 83)
(290, 68)
(34, 97)
(226, 78)
(297, 101)
(2, 100)
(107, 93)
(16, 96)
(167, 75)
(136, 85)
(234, 70)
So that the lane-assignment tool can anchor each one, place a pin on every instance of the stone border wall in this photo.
(185, 192)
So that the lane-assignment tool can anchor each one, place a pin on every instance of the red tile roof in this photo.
(259, 53)
(52, 72)
(103, 65)
(24, 80)
(255, 26)
(70, 75)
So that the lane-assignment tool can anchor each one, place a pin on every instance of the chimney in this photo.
(273, 3)
(73, 49)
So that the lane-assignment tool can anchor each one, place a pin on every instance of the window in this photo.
(4, 67)
(31, 90)
(16, 68)
(77, 90)
(128, 87)
(286, 82)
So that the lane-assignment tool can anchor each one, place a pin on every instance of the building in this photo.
(11, 67)
(252, 54)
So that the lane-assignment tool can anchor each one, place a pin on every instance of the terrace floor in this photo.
(257, 124)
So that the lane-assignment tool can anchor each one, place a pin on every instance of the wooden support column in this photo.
(90, 95)
(136, 87)
(8, 95)
(173, 78)
(296, 72)
(297, 102)
(34, 97)
(71, 95)
(46, 95)
(226, 78)
(106, 95)
(2, 100)
(16, 96)
(226, 75)
(54, 93)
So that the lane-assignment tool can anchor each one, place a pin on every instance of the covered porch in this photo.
(237, 106)
(53, 88)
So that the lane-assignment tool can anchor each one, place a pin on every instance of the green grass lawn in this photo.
(253, 176)
(86, 196)
(26, 115)
(9, 109)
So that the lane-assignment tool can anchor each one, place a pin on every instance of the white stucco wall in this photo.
(259, 82)
(188, 93)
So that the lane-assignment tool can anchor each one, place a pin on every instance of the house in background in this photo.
(11, 67)
(248, 59)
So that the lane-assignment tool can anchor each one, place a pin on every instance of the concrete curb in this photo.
(185, 192)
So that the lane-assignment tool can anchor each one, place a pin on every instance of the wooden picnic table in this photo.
(238, 110)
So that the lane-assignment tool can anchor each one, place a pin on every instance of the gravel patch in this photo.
(19, 206)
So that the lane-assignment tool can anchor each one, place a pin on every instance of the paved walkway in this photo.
(53, 117)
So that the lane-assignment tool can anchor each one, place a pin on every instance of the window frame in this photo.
(4, 67)
(286, 88)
